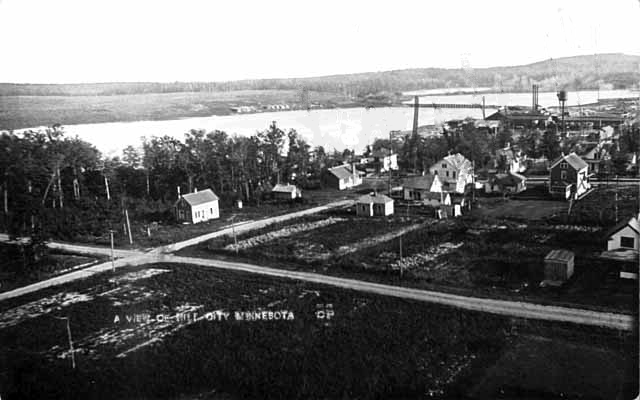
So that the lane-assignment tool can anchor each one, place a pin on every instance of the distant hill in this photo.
(612, 71)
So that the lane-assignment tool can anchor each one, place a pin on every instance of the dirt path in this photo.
(501, 307)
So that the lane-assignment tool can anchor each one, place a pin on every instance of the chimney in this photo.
(195, 190)
(179, 195)
(416, 105)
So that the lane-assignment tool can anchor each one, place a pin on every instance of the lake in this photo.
(352, 128)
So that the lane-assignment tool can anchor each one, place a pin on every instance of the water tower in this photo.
(562, 99)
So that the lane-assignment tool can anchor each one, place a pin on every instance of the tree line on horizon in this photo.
(611, 71)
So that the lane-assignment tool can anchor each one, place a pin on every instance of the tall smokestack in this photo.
(416, 105)
(414, 133)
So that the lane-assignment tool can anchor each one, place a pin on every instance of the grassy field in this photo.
(31, 111)
(371, 347)
(519, 209)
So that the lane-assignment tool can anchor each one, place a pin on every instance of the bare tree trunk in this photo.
(106, 186)
(46, 191)
(6, 198)
(60, 194)
(126, 214)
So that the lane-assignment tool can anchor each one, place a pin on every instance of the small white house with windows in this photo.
(197, 207)
(624, 236)
(286, 192)
(374, 205)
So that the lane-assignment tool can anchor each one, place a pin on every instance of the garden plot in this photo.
(282, 233)
(329, 236)
(127, 293)
(41, 307)
(312, 252)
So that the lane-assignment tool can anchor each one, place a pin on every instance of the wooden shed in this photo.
(558, 266)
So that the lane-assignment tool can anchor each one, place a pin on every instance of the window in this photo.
(454, 174)
(563, 165)
(447, 174)
(212, 211)
(627, 242)
(563, 175)
(444, 166)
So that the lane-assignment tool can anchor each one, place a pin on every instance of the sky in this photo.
(76, 41)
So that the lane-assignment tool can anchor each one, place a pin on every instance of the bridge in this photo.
(453, 105)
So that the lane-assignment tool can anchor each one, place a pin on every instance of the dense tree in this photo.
(550, 146)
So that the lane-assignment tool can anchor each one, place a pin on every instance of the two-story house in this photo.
(454, 171)
(569, 177)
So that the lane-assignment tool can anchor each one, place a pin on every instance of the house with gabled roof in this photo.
(454, 171)
(198, 206)
(510, 183)
(341, 177)
(384, 160)
(624, 236)
(569, 177)
(373, 205)
(286, 192)
(596, 155)
(421, 187)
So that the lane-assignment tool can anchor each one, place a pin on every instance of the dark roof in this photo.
(572, 159)
(375, 198)
(516, 115)
(559, 255)
(381, 153)
(631, 222)
(419, 182)
(201, 197)
(509, 179)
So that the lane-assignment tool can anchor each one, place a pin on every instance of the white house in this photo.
(341, 177)
(454, 171)
(371, 205)
(385, 160)
(624, 236)
(197, 207)
(286, 192)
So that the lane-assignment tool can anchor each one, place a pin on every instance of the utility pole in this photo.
(616, 200)
(73, 356)
(113, 265)
(233, 229)
(473, 183)
(389, 182)
(71, 350)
